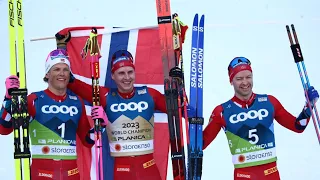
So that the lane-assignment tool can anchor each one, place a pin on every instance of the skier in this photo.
(247, 120)
(57, 117)
(130, 111)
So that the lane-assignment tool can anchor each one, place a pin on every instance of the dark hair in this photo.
(45, 79)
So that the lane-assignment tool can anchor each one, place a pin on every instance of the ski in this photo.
(93, 45)
(171, 89)
(19, 106)
(298, 59)
(196, 99)
(182, 100)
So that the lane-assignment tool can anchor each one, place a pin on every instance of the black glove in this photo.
(62, 40)
(175, 72)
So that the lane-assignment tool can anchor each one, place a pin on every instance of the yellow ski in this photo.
(19, 111)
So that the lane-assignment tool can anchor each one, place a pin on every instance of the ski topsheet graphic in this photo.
(196, 99)
(19, 111)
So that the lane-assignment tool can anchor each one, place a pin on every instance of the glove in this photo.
(12, 82)
(62, 40)
(313, 95)
(175, 72)
(97, 112)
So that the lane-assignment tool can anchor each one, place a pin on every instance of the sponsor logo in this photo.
(117, 147)
(123, 168)
(42, 141)
(48, 174)
(63, 150)
(73, 97)
(270, 171)
(137, 146)
(149, 163)
(244, 175)
(255, 147)
(132, 106)
(61, 141)
(143, 91)
(73, 172)
(241, 158)
(45, 149)
(252, 114)
(254, 157)
(261, 99)
(54, 109)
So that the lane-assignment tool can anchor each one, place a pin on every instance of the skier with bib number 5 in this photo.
(248, 121)
(130, 123)
(57, 122)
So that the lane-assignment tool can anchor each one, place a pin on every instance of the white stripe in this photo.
(157, 87)
(105, 47)
(83, 79)
(160, 118)
(80, 33)
(132, 42)
(88, 110)
(8, 117)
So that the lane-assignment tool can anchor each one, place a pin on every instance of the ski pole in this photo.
(298, 58)
(92, 44)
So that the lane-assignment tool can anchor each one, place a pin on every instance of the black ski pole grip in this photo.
(297, 54)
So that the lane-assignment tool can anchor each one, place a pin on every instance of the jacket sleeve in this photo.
(5, 114)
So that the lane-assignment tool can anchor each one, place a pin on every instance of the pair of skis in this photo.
(171, 53)
(19, 106)
(171, 89)
(298, 59)
(196, 99)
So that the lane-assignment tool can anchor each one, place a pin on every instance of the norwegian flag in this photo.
(144, 45)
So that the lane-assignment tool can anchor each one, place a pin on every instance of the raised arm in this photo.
(287, 120)
(85, 91)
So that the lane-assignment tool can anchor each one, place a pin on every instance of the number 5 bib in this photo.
(250, 132)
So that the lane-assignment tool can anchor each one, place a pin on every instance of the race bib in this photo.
(129, 137)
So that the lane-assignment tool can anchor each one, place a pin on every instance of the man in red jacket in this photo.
(248, 121)
(130, 123)
(57, 122)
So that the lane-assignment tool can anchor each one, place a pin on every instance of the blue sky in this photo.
(254, 29)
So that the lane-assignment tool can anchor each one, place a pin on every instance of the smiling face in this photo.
(124, 77)
(58, 77)
(242, 83)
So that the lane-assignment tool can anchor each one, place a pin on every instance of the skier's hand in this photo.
(313, 94)
(12, 82)
(62, 40)
(176, 73)
(97, 112)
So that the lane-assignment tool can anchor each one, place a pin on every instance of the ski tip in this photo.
(202, 18)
